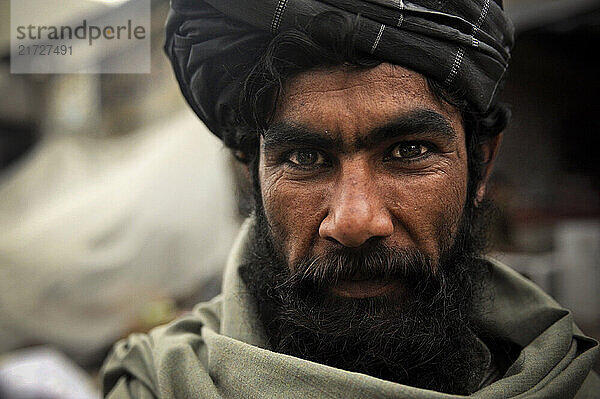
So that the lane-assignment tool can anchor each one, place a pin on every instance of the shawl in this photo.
(219, 351)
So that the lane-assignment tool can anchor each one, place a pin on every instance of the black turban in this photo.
(463, 44)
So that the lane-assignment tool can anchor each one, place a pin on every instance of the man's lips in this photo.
(364, 288)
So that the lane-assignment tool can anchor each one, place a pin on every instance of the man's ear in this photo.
(243, 164)
(246, 170)
(490, 151)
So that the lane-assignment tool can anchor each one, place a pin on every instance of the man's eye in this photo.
(409, 150)
(306, 158)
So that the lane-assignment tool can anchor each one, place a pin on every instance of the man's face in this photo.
(363, 156)
(363, 256)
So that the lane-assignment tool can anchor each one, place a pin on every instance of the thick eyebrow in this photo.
(284, 134)
(421, 121)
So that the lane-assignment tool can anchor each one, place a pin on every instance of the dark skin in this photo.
(356, 155)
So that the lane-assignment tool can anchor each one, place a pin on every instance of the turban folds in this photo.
(463, 44)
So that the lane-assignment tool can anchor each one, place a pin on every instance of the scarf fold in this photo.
(465, 45)
(220, 351)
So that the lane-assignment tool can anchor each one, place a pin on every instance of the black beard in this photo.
(426, 338)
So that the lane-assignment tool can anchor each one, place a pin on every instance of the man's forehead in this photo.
(349, 102)
(348, 74)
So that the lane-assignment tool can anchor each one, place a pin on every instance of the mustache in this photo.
(368, 262)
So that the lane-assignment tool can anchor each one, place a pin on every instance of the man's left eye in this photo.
(409, 150)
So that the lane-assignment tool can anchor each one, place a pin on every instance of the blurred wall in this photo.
(116, 214)
(546, 181)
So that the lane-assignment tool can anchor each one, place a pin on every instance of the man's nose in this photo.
(357, 210)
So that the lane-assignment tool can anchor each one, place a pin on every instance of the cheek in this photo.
(427, 208)
(294, 210)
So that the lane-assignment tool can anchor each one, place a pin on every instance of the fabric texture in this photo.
(219, 351)
(465, 45)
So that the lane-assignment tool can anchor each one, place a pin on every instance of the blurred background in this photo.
(118, 208)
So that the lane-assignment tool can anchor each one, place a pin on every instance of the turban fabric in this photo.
(463, 44)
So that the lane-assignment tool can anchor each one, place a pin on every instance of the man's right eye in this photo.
(306, 158)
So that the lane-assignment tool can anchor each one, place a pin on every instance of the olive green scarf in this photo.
(219, 352)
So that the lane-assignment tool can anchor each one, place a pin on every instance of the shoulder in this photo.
(151, 365)
(129, 370)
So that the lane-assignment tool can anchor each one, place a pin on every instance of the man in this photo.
(369, 129)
